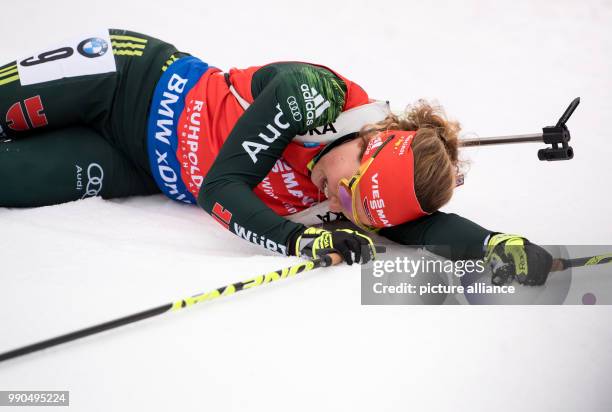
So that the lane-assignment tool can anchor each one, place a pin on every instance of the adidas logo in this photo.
(315, 103)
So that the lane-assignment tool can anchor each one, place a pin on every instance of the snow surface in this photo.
(307, 344)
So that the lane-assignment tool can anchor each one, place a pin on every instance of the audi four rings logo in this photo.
(295, 109)
(95, 176)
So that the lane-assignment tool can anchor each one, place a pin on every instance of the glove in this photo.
(514, 257)
(350, 244)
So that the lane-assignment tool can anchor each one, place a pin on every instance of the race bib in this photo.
(91, 53)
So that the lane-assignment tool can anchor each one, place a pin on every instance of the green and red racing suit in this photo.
(118, 113)
(240, 143)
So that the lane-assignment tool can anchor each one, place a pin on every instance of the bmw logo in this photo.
(92, 47)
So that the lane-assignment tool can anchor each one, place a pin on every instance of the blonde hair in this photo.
(435, 148)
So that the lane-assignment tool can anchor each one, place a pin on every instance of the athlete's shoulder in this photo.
(354, 94)
(252, 80)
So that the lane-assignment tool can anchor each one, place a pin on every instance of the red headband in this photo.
(386, 189)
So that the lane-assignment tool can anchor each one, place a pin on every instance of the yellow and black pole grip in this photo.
(324, 261)
(335, 258)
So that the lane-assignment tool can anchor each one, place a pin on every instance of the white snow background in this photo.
(306, 344)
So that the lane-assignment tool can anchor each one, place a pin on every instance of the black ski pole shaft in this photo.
(562, 264)
(92, 330)
(226, 290)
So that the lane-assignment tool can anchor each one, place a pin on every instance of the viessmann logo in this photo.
(314, 102)
(376, 203)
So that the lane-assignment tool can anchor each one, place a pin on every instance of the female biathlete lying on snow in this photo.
(117, 113)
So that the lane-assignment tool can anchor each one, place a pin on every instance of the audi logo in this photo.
(95, 176)
(295, 108)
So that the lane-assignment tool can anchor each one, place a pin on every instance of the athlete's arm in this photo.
(258, 140)
(445, 234)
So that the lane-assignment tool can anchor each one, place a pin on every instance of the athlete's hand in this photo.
(350, 244)
(514, 257)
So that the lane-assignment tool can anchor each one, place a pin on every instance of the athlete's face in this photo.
(341, 162)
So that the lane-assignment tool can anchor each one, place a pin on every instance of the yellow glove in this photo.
(350, 244)
(514, 257)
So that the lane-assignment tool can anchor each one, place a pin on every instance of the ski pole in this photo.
(173, 306)
(487, 141)
(553, 135)
(327, 260)
(562, 264)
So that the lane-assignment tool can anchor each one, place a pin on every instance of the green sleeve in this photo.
(281, 110)
(445, 234)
